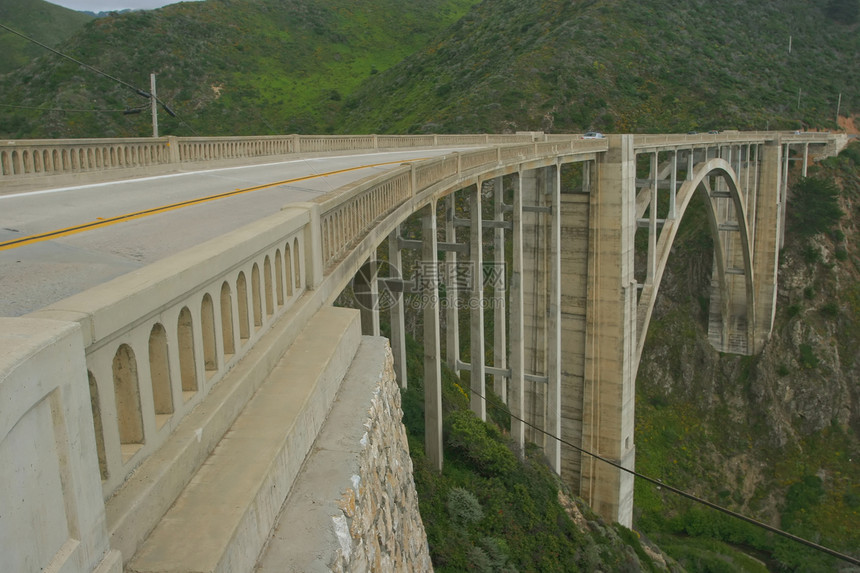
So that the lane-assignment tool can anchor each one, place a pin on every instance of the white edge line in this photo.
(187, 173)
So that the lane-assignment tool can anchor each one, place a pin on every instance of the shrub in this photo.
(830, 310)
(464, 507)
(481, 443)
(808, 359)
(814, 205)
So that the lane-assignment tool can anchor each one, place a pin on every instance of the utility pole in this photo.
(153, 104)
(838, 105)
(789, 44)
(798, 97)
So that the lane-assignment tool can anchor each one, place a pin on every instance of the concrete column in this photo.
(398, 312)
(673, 188)
(368, 279)
(500, 342)
(651, 269)
(477, 401)
(432, 365)
(690, 164)
(783, 193)
(452, 315)
(516, 401)
(535, 233)
(768, 232)
(574, 285)
(805, 158)
(553, 425)
(586, 176)
(611, 336)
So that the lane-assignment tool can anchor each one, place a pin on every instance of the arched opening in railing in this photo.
(207, 324)
(227, 321)
(279, 277)
(256, 301)
(288, 267)
(267, 283)
(242, 296)
(297, 266)
(95, 404)
(159, 372)
(187, 362)
(127, 396)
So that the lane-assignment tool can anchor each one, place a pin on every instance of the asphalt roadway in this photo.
(58, 242)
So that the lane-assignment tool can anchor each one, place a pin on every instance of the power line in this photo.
(659, 483)
(137, 90)
(126, 110)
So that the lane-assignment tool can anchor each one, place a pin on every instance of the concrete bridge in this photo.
(157, 422)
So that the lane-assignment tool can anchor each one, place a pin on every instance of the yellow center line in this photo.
(105, 222)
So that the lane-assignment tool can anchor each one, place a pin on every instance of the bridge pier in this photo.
(432, 365)
(397, 309)
(610, 334)
(477, 400)
(500, 327)
(769, 229)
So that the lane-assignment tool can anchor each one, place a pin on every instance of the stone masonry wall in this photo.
(380, 528)
(353, 506)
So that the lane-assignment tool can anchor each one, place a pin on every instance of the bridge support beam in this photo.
(369, 310)
(516, 401)
(500, 342)
(769, 218)
(533, 185)
(452, 313)
(554, 352)
(398, 312)
(432, 365)
(478, 402)
(610, 335)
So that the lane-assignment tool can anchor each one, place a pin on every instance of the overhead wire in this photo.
(66, 110)
(137, 90)
(690, 496)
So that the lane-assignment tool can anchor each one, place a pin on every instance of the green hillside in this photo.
(45, 22)
(623, 65)
(227, 67)
(774, 436)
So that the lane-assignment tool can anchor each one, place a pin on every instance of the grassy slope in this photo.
(516, 520)
(620, 66)
(226, 67)
(43, 21)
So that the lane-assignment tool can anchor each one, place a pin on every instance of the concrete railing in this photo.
(24, 159)
(157, 340)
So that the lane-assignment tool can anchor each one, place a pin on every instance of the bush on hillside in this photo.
(814, 205)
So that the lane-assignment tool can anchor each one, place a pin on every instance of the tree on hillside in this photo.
(814, 205)
(843, 11)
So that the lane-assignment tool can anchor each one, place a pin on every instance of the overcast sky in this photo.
(109, 5)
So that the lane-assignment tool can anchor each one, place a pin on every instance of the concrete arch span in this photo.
(577, 312)
(731, 232)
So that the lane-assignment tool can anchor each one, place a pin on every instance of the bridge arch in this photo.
(723, 222)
